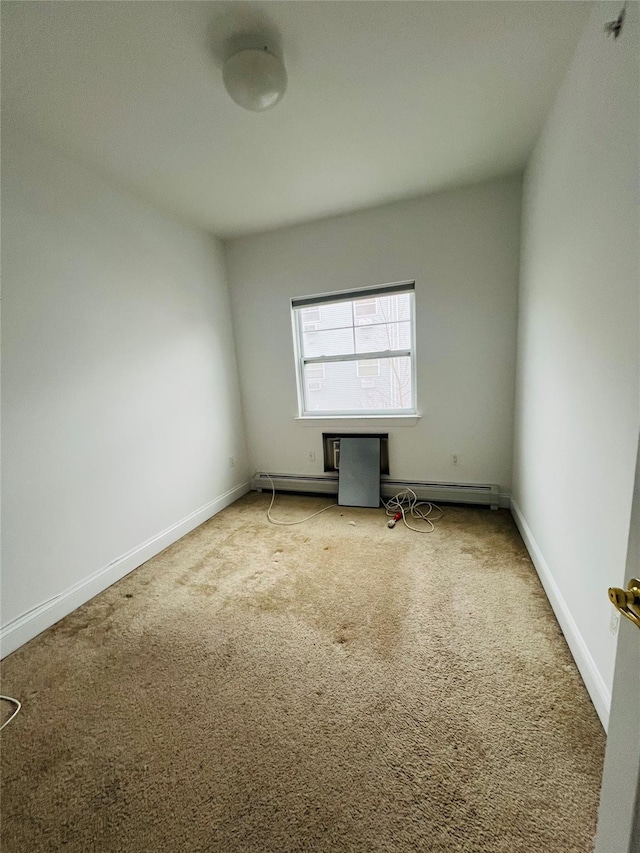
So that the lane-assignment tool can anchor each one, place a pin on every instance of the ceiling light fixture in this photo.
(255, 79)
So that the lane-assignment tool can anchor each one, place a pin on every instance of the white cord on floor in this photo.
(18, 706)
(406, 503)
(289, 523)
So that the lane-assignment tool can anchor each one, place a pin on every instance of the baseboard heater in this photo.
(463, 493)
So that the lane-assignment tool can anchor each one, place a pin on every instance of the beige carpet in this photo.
(329, 687)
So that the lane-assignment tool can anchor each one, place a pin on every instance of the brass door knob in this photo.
(627, 601)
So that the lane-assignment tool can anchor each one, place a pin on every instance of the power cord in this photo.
(406, 503)
(289, 523)
(18, 706)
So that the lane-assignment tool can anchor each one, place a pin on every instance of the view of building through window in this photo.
(356, 355)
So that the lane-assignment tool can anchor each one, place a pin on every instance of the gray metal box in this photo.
(359, 472)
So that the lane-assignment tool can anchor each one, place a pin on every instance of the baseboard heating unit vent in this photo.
(462, 493)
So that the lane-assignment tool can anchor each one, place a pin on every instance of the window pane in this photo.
(384, 336)
(395, 308)
(387, 309)
(359, 312)
(330, 315)
(343, 390)
(334, 342)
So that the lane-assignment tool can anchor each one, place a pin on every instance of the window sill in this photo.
(336, 421)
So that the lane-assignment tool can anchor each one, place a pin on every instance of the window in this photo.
(368, 368)
(311, 317)
(315, 371)
(355, 351)
(314, 376)
(365, 308)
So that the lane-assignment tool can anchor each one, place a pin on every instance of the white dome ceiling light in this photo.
(255, 79)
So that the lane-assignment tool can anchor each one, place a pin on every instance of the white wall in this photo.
(462, 249)
(120, 403)
(577, 410)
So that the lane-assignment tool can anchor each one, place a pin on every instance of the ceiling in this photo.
(386, 100)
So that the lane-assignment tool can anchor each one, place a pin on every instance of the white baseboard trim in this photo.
(327, 484)
(24, 628)
(593, 681)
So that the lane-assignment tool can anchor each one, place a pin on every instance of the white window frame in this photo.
(299, 327)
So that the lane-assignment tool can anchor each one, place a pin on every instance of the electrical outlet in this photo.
(614, 622)
(312, 456)
(232, 462)
(455, 460)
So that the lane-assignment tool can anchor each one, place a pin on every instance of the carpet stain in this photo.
(341, 688)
